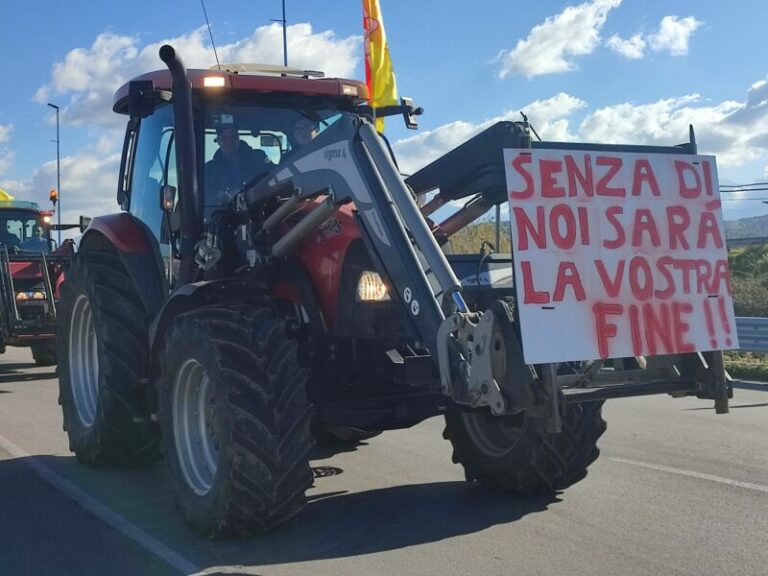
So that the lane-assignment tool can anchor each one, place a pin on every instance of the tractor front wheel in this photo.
(235, 419)
(517, 454)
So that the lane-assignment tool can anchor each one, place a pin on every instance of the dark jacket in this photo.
(222, 174)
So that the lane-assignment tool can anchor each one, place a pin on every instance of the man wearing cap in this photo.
(37, 242)
(235, 163)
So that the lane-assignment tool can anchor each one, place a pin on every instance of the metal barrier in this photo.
(753, 334)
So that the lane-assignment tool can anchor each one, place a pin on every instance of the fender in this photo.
(322, 256)
(291, 282)
(139, 251)
(193, 296)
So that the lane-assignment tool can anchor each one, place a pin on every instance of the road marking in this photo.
(692, 474)
(100, 510)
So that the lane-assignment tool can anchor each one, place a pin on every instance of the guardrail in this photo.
(753, 334)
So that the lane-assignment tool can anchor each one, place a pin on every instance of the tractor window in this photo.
(164, 168)
(24, 232)
(149, 167)
(242, 143)
(16, 227)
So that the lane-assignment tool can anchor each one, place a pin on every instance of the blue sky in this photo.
(626, 71)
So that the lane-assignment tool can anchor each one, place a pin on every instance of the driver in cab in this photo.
(234, 164)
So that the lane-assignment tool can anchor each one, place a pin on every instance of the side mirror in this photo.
(85, 221)
(410, 113)
(140, 101)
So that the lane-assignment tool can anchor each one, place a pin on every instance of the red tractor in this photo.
(31, 270)
(271, 280)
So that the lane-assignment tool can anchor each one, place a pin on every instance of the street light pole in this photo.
(285, 36)
(285, 40)
(58, 170)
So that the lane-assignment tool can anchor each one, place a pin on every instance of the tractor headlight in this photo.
(349, 90)
(370, 288)
(214, 82)
(27, 296)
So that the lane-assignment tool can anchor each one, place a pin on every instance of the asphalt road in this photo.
(677, 491)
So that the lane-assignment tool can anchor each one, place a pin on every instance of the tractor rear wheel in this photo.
(102, 351)
(517, 454)
(235, 419)
(44, 353)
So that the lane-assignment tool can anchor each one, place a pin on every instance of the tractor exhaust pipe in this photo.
(186, 160)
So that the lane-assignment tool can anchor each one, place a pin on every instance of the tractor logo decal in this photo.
(332, 225)
(335, 154)
(409, 299)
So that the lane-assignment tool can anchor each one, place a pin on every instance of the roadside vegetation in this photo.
(469, 239)
(749, 278)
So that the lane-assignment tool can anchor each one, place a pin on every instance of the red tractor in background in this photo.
(31, 272)
(259, 286)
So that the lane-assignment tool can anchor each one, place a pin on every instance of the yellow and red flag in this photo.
(379, 76)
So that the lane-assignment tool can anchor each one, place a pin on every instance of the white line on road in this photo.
(101, 511)
(692, 474)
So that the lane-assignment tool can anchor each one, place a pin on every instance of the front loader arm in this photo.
(349, 163)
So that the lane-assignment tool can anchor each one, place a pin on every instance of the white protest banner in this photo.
(618, 254)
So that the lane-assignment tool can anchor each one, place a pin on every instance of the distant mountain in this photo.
(747, 227)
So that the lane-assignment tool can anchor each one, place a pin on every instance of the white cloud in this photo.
(88, 183)
(633, 48)
(7, 155)
(5, 132)
(666, 121)
(88, 77)
(736, 132)
(7, 158)
(673, 35)
(84, 82)
(550, 46)
(549, 118)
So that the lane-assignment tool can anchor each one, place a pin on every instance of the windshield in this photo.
(23, 231)
(243, 142)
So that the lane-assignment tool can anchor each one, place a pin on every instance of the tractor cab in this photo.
(24, 227)
(246, 120)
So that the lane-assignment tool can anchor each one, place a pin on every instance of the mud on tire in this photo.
(102, 352)
(517, 454)
(235, 420)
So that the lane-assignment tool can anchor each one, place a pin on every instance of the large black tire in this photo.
(44, 353)
(103, 354)
(517, 454)
(239, 366)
